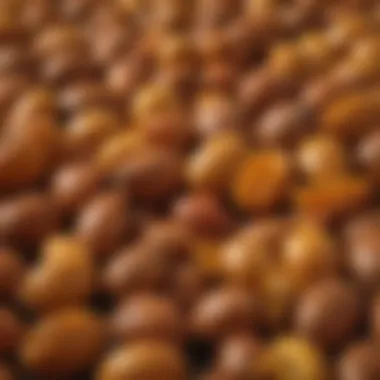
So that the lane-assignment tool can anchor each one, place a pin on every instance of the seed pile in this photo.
(189, 189)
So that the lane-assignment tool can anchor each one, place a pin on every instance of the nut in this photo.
(63, 343)
(64, 277)
(143, 360)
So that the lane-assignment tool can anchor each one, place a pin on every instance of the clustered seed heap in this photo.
(189, 189)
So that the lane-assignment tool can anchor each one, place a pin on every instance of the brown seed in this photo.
(260, 88)
(359, 361)
(262, 181)
(21, 164)
(152, 100)
(328, 313)
(146, 317)
(351, 115)
(226, 311)
(114, 150)
(27, 219)
(203, 213)
(289, 358)
(207, 257)
(182, 79)
(215, 113)
(286, 60)
(318, 51)
(333, 198)
(250, 255)
(125, 75)
(239, 357)
(363, 248)
(94, 224)
(283, 124)
(342, 79)
(213, 164)
(308, 253)
(279, 294)
(322, 156)
(64, 276)
(74, 184)
(151, 175)
(12, 271)
(88, 129)
(143, 360)
(35, 101)
(170, 238)
(63, 343)
(168, 130)
(135, 269)
(36, 124)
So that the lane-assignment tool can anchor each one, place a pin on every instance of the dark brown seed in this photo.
(329, 313)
